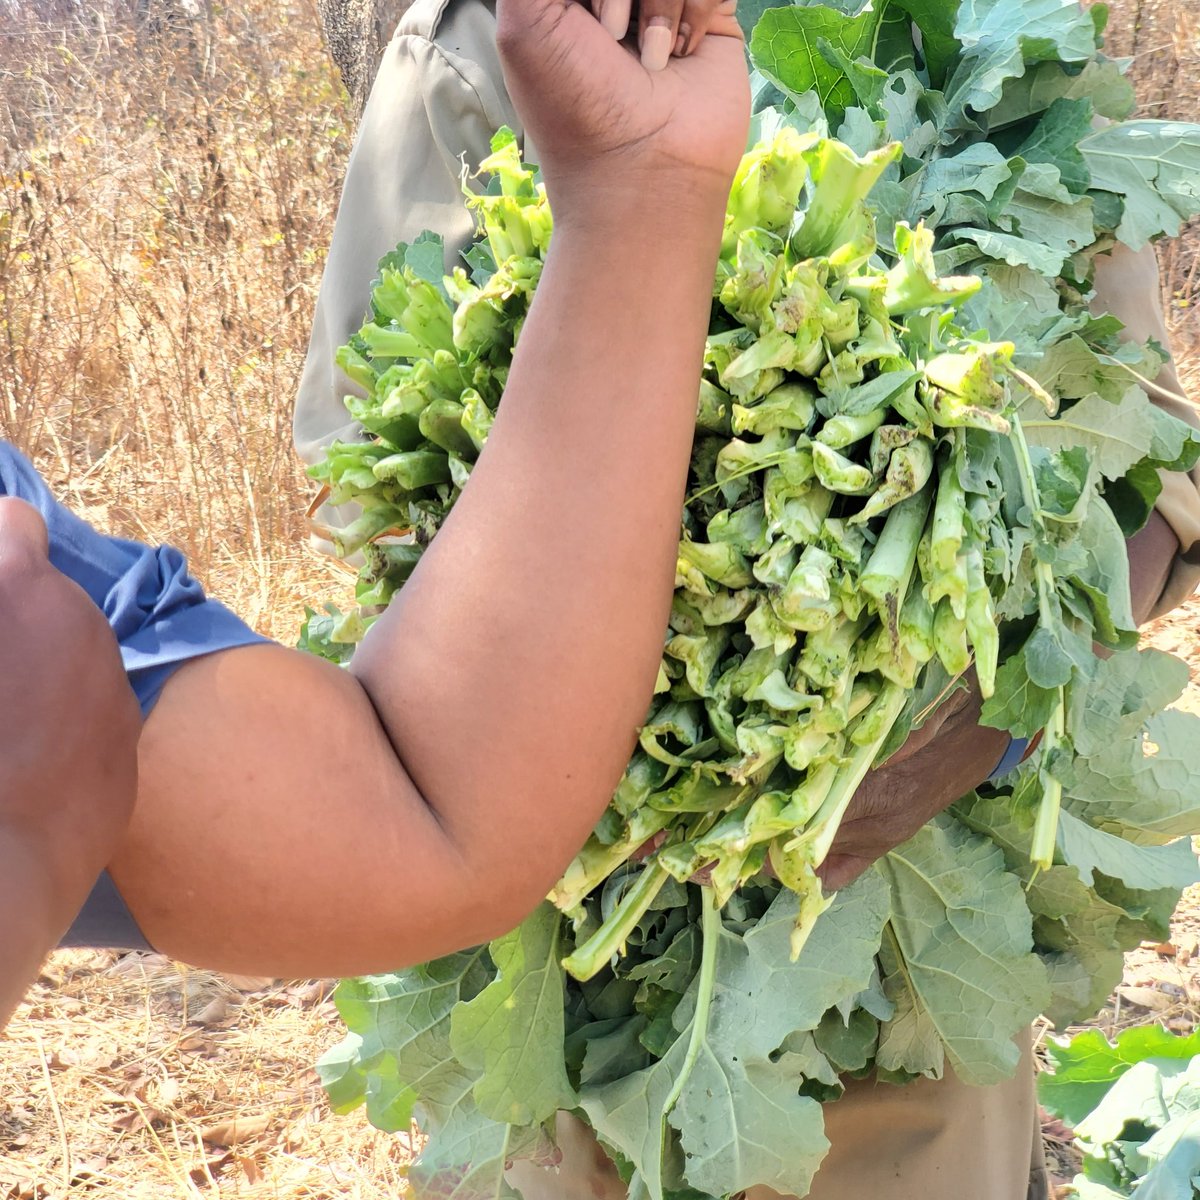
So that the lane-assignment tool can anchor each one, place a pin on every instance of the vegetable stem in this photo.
(710, 932)
(1045, 834)
(588, 959)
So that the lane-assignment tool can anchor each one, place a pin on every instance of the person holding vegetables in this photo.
(558, 568)
(439, 97)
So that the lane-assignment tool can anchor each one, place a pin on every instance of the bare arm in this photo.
(68, 737)
(296, 819)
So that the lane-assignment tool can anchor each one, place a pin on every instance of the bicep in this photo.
(276, 830)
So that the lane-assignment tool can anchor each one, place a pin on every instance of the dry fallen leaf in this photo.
(213, 1013)
(235, 1131)
(1166, 949)
(250, 1168)
(249, 983)
(1146, 997)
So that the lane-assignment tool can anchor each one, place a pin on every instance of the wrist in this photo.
(631, 207)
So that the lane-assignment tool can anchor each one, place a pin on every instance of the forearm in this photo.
(40, 893)
(297, 819)
(580, 489)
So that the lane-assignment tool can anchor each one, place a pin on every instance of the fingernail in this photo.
(685, 33)
(614, 16)
(656, 47)
(727, 8)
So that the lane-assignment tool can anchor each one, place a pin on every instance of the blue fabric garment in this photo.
(1012, 758)
(159, 613)
(161, 618)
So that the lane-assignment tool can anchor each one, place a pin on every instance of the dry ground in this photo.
(167, 186)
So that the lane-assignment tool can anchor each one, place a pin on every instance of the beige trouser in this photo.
(929, 1140)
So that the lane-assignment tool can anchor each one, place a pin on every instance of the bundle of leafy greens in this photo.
(1135, 1108)
(881, 497)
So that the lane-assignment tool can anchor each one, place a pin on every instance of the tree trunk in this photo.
(356, 34)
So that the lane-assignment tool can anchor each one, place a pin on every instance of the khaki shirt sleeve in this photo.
(1127, 286)
(437, 99)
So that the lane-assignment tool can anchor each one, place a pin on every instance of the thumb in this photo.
(23, 536)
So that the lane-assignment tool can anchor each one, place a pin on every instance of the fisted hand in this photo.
(646, 99)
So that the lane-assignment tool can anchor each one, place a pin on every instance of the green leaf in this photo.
(1000, 38)
(1126, 690)
(740, 1117)
(1018, 705)
(909, 1041)
(398, 1051)
(1087, 1065)
(939, 46)
(426, 257)
(1144, 788)
(744, 1124)
(1144, 867)
(1101, 82)
(785, 47)
(1054, 653)
(980, 168)
(963, 929)
(1015, 303)
(1013, 249)
(1173, 1158)
(848, 1042)
(1115, 435)
(627, 1115)
(1135, 1098)
(764, 996)
(1055, 140)
(1154, 166)
(1175, 445)
(512, 1032)
(1072, 370)
(1105, 578)
(1044, 212)
(467, 1155)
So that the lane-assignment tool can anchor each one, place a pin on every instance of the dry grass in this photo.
(131, 1077)
(167, 186)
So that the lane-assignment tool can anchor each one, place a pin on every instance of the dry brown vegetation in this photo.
(169, 171)
(167, 187)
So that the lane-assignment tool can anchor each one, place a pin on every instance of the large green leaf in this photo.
(1142, 786)
(1101, 82)
(1116, 436)
(512, 1032)
(745, 1124)
(963, 928)
(1154, 167)
(1087, 1065)
(741, 1118)
(627, 1114)
(1000, 37)
(399, 1048)
(1146, 868)
(786, 47)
